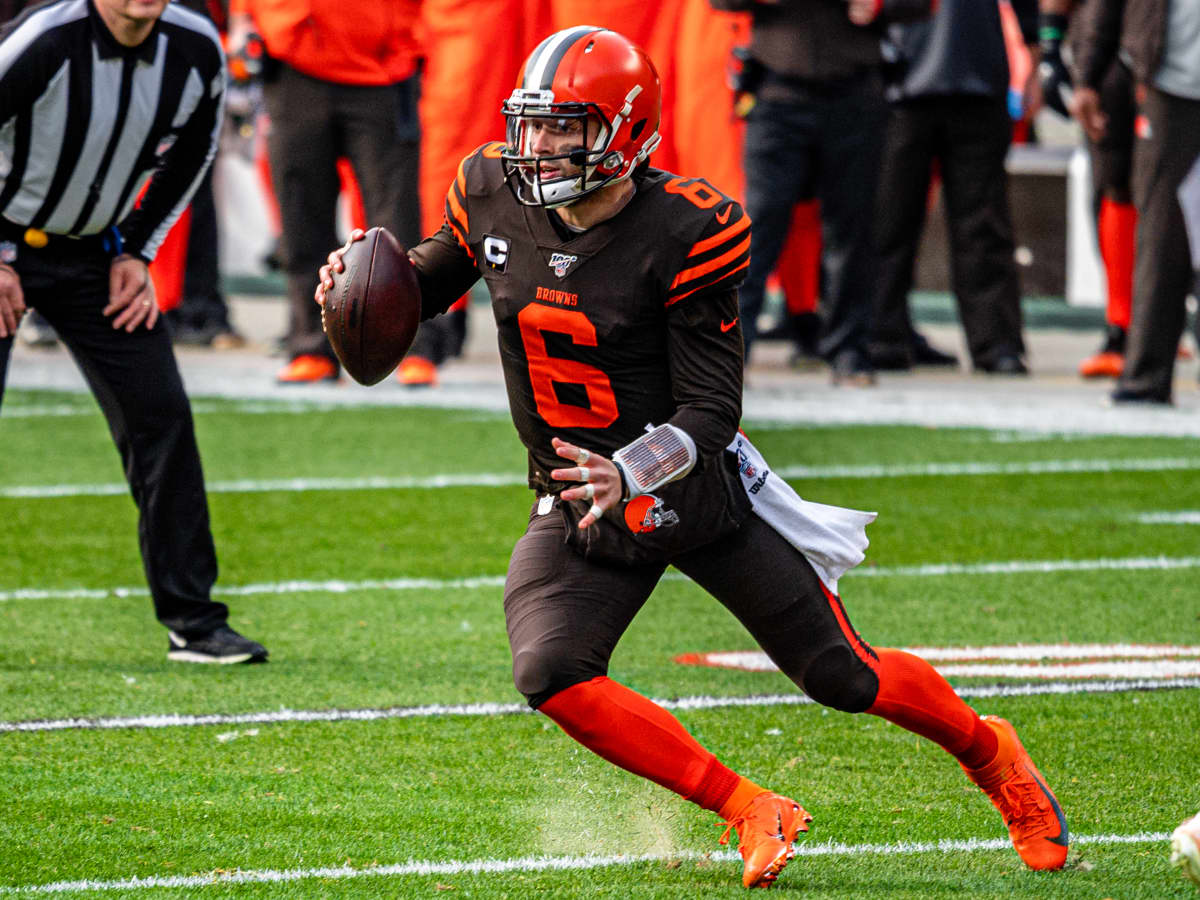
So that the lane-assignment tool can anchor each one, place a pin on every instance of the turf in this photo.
(113, 804)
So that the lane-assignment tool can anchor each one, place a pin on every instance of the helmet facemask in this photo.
(581, 167)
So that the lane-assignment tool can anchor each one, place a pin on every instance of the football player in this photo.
(614, 288)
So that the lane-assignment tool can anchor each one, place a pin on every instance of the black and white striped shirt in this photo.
(84, 121)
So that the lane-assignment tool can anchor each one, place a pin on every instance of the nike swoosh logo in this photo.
(725, 326)
(723, 216)
(1064, 835)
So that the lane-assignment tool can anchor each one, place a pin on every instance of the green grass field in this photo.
(386, 600)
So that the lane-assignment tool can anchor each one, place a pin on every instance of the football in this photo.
(1185, 848)
(372, 312)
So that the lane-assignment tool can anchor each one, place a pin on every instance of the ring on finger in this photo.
(585, 474)
(596, 512)
(146, 303)
(582, 456)
(589, 491)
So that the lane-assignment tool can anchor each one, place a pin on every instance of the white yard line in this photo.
(335, 586)
(546, 864)
(180, 720)
(506, 479)
(1110, 667)
(1182, 517)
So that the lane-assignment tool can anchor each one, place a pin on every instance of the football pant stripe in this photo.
(861, 648)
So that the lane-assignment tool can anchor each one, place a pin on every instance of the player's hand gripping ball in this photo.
(1185, 848)
(372, 311)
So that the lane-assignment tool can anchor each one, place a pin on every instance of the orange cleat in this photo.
(308, 369)
(416, 371)
(1035, 821)
(766, 828)
(1106, 364)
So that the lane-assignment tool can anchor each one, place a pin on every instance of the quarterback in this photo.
(614, 288)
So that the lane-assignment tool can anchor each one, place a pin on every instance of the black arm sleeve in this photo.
(445, 271)
(704, 352)
(1098, 41)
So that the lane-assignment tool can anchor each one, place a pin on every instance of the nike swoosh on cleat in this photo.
(725, 326)
(1064, 836)
(723, 215)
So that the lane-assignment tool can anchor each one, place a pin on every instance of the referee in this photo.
(96, 96)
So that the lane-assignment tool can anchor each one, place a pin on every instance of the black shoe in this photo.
(1114, 340)
(221, 645)
(925, 354)
(1127, 397)
(1005, 364)
(852, 368)
(888, 358)
(805, 331)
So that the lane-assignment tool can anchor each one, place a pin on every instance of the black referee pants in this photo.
(136, 381)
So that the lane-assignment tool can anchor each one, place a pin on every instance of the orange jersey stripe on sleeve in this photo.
(732, 256)
(456, 216)
(722, 236)
(723, 276)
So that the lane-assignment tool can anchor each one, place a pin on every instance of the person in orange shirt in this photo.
(481, 43)
(340, 81)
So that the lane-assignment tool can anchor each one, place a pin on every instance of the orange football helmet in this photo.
(587, 81)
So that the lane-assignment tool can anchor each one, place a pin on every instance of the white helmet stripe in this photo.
(539, 72)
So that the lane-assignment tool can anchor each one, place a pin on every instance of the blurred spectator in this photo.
(708, 137)
(340, 80)
(1111, 164)
(481, 43)
(949, 107)
(186, 272)
(201, 316)
(1161, 41)
(816, 129)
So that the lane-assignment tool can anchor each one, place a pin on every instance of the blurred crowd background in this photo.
(880, 146)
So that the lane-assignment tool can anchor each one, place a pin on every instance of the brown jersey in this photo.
(632, 322)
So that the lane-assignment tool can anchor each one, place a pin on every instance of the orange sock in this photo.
(914, 696)
(745, 791)
(641, 737)
(1117, 230)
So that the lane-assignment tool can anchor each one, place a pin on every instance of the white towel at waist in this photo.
(832, 538)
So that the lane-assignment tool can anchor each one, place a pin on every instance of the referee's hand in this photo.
(131, 294)
(12, 301)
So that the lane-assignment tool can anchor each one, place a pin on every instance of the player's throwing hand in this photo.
(600, 480)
